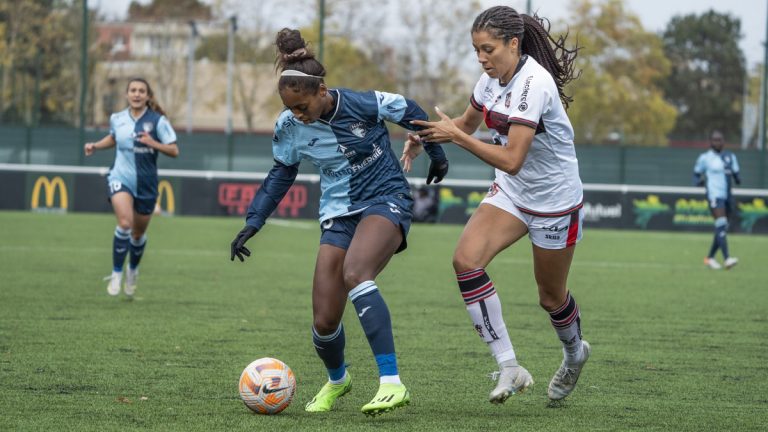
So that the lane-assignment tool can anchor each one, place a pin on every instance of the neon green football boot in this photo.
(389, 397)
(324, 399)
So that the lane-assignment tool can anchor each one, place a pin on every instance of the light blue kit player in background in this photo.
(140, 132)
(717, 170)
(365, 209)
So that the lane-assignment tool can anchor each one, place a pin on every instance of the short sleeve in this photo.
(700, 167)
(477, 100)
(735, 164)
(112, 130)
(283, 148)
(391, 106)
(530, 101)
(165, 131)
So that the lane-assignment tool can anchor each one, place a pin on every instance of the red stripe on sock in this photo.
(471, 274)
(482, 298)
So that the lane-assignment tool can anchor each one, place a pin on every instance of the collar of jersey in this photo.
(520, 65)
(329, 118)
(140, 115)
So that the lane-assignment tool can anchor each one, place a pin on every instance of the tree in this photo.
(247, 55)
(40, 60)
(750, 123)
(159, 10)
(708, 70)
(425, 48)
(617, 94)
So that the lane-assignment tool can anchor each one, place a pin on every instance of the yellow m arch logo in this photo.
(49, 187)
(164, 189)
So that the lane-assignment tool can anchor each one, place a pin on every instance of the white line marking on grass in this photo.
(609, 264)
(293, 223)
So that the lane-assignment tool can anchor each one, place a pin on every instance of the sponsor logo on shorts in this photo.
(493, 190)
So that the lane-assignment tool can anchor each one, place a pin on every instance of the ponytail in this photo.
(558, 61)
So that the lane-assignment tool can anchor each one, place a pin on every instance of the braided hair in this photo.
(293, 54)
(503, 22)
(151, 102)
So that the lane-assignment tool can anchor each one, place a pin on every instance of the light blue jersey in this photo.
(351, 149)
(718, 168)
(135, 166)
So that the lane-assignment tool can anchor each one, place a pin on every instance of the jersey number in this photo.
(115, 186)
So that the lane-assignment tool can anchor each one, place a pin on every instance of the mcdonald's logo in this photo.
(50, 187)
(165, 190)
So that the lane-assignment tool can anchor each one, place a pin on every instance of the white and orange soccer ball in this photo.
(267, 386)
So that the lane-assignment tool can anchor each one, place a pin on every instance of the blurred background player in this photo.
(537, 189)
(717, 169)
(140, 132)
(365, 209)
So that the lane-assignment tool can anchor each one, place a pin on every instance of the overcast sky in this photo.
(655, 14)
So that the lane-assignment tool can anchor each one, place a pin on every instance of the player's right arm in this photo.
(104, 143)
(269, 195)
(275, 186)
(698, 171)
(470, 120)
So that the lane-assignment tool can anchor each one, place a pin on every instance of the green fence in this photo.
(253, 153)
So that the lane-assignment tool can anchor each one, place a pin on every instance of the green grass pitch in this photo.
(675, 347)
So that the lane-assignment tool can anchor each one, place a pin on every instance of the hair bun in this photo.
(296, 55)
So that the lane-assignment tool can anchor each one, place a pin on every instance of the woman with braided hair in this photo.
(365, 209)
(537, 189)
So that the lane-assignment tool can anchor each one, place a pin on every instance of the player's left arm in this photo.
(735, 169)
(397, 109)
(167, 144)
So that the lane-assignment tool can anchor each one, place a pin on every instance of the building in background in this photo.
(158, 51)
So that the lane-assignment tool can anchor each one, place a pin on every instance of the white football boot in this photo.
(730, 262)
(565, 378)
(113, 288)
(131, 281)
(712, 263)
(512, 379)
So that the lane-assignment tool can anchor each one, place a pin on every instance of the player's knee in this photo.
(463, 262)
(354, 277)
(721, 221)
(550, 302)
(326, 325)
(124, 224)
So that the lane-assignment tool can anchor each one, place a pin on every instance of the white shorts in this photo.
(547, 232)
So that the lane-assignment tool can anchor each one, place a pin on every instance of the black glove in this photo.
(437, 171)
(238, 244)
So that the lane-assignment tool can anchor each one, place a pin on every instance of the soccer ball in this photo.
(267, 386)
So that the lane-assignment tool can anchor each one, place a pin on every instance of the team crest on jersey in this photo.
(358, 128)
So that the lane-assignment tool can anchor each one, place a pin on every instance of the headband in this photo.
(295, 73)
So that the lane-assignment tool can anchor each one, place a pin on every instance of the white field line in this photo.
(223, 252)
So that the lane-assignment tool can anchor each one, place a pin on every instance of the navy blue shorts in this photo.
(143, 206)
(339, 231)
(722, 203)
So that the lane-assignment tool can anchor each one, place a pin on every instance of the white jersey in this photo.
(548, 183)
